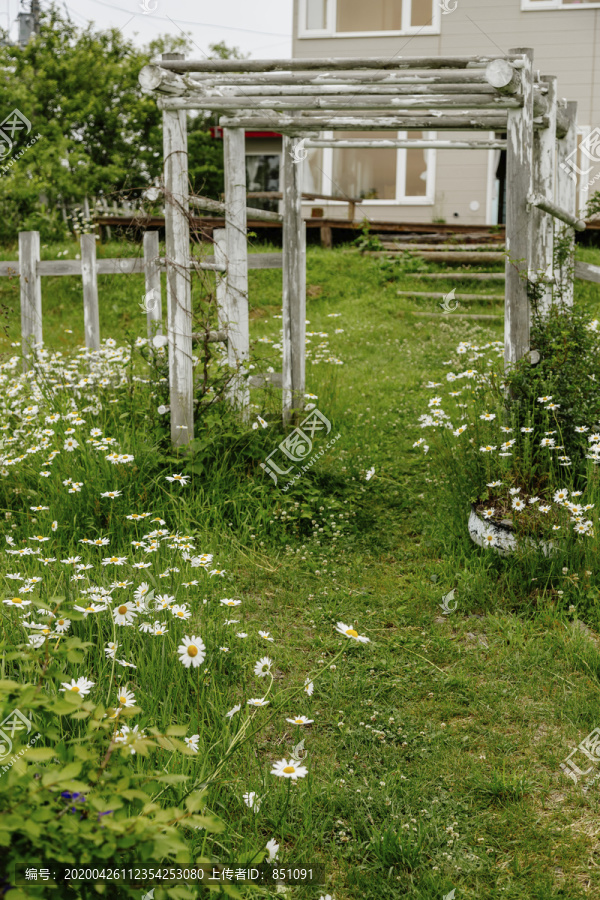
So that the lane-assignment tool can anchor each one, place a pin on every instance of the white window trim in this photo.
(542, 5)
(407, 28)
(400, 199)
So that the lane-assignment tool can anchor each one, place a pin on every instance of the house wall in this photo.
(566, 43)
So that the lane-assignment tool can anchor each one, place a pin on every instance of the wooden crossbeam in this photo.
(353, 102)
(371, 62)
(299, 125)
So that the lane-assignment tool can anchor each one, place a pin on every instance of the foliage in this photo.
(68, 791)
(366, 240)
(568, 371)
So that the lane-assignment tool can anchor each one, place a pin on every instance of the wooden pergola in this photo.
(302, 99)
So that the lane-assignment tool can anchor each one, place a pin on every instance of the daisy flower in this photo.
(487, 449)
(181, 611)
(91, 608)
(370, 473)
(111, 494)
(62, 625)
(252, 800)
(351, 633)
(70, 445)
(488, 513)
(124, 614)
(514, 491)
(263, 667)
(309, 687)
(518, 504)
(182, 479)
(192, 651)
(544, 509)
(266, 635)
(544, 399)
(273, 847)
(160, 628)
(110, 649)
(258, 701)
(494, 484)
(82, 686)
(300, 720)
(527, 430)
(16, 601)
(285, 769)
(192, 742)
(561, 495)
(232, 712)
(229, 602)
(126, 698)
(114, 560)
(488, 417)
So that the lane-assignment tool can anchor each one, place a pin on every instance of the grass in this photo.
(434, 757)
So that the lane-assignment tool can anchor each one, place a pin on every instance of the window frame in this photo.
(401, 198)
(330, 32)
(544, 5)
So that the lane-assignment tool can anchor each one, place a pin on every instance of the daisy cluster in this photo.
(560, 508)
(501, 442)
(320, 353)
(141, 594)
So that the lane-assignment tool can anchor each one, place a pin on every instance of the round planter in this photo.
(504, 541)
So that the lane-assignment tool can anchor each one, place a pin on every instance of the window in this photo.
(262, 174)
(328, 18)
(379, 176)
(559, 4)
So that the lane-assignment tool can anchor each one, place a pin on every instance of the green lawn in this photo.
(433, 757)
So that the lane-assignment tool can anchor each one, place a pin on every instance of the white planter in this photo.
(504, 541)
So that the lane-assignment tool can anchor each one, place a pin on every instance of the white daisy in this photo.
(192, 651)
(351, 633)
(285, 769)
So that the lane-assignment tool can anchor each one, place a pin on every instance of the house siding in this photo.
(566, 43)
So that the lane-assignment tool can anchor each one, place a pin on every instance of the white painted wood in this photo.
(255, 260)
(518, 219)
(132, 265)
(540, 202)
(251, 213)
(58, 267)
(179, 303)
(395, 63)
(503, 76)
(435, 295)
(220, 257)
(89, 277)
(299, 125)
(587, 272)
(566, 195)
(356, 101)
(153, 296)
(542, 235)
(339, 90)
(31, 293)
(294, 281)
(234, 152)
(156, 79)
(461, 276)
(401, 143)
(468, 77)
(11, 269)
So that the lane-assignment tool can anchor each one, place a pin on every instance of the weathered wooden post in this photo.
(544, 162)
(518, 217)
(234, 149)
(220, 245)
(31, 292)
(89, 277)
(179, 295)
(153, 297)
(294, 280)
(566, 197)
